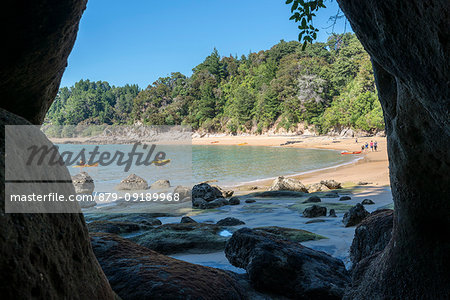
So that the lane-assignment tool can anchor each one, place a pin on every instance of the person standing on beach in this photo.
(362, 147)
(371, 146)
(375, 145)
(367, 146)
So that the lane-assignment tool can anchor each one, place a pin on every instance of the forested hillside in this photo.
(327, 86)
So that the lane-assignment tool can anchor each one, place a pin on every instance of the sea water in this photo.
(223, 165)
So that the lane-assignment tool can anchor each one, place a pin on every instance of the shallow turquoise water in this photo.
(229, 165)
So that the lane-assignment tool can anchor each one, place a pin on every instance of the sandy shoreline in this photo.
(372, 168)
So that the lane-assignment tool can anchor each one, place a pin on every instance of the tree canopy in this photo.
(327, 85)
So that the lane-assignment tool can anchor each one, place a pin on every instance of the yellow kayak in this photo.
(242, 144)
(160, 162)
(86, 166)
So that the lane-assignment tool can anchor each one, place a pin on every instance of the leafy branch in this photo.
(303, 13)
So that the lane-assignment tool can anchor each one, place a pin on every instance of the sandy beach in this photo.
(372, 168)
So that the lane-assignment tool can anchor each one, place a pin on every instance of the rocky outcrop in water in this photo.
(315, 211)
(205, 196)
(132, 183)
(288, 184)
(286, 268)
(136, 273)
(230, 221)
(312, 199)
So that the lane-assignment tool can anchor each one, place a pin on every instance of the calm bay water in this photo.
(229, 165)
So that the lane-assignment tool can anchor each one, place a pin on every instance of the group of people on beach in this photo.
(373, 146)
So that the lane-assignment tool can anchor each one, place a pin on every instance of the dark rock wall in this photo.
(35, 43)
(408, 42)
(42, 256)
(46, 256)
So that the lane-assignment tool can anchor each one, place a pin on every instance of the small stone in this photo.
(187, 219)
(234, 201)
(230, 221)
(367, 202)
(345, 198)
(315, 221)
(312, 199)
(332, 213)
(250, 201)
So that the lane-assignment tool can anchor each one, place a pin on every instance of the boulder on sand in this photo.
(160, 184)
(317, 187)
(315, 211)
(288, 184)
(372, 235)
(136, 272)
(331, 184)
(225, 193)
(286, 268)
(132, 182)
(83, 183)
(183, 192)
(355, 215)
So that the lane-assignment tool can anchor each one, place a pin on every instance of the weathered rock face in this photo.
(372, 235)
(37, 43)
(288, 184)
(285, 268)
(133, 182)
(355, 215)
(412, 84)
(136, 272)
(46, 256)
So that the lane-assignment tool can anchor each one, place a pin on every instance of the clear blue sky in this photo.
(137, 41)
